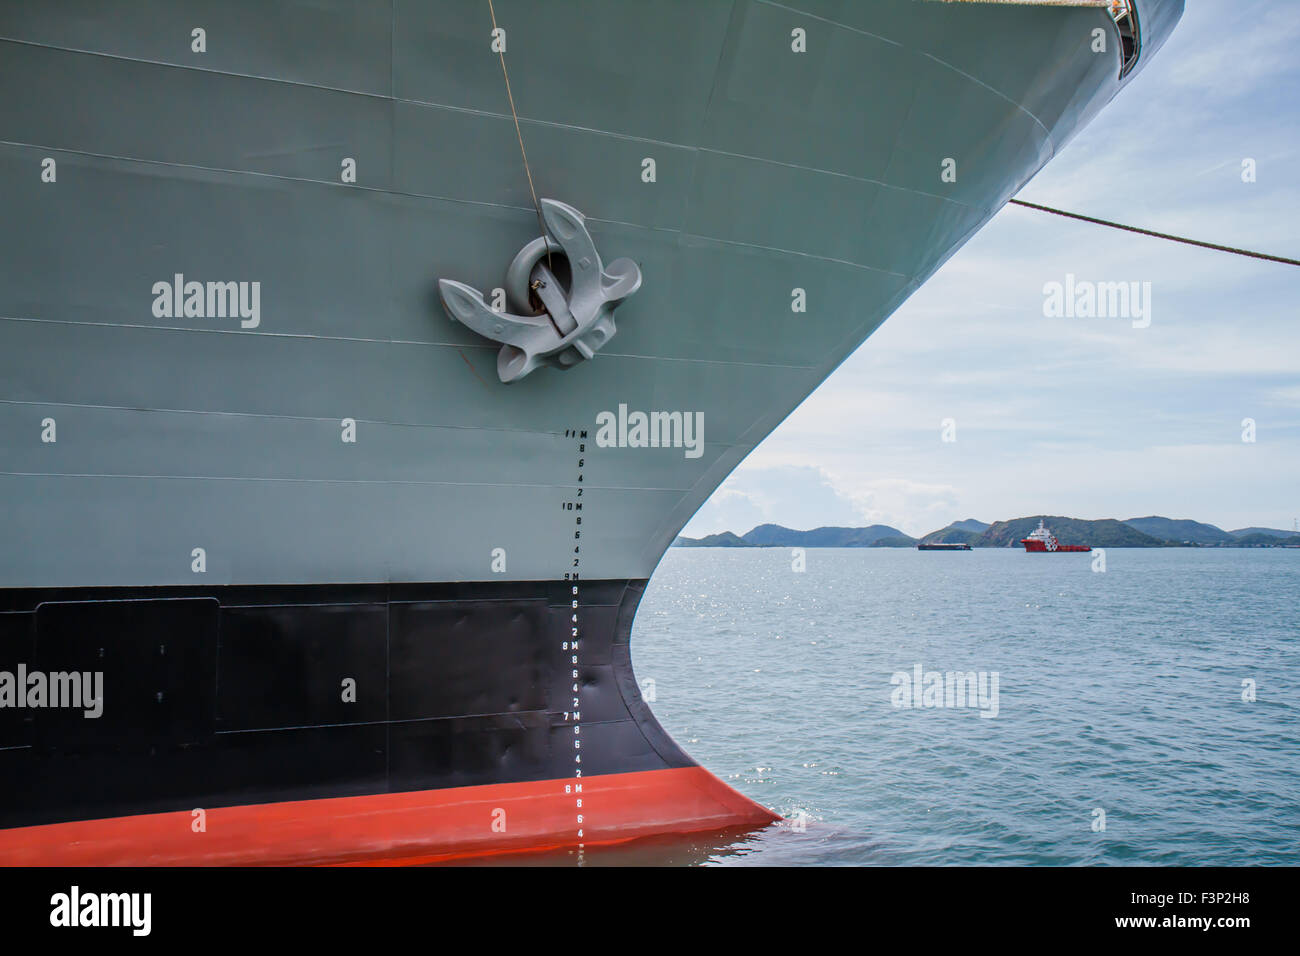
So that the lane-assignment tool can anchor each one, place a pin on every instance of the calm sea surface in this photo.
(1119, 692)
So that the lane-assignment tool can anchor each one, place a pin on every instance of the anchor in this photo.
(573, 324)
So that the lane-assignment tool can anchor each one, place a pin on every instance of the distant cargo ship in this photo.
(939, 546)
(1042, 539)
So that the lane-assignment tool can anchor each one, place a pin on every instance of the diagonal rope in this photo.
(1158, 235)
(519, 133)
(1040, 3)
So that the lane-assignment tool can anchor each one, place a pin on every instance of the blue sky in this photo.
(1087, 417)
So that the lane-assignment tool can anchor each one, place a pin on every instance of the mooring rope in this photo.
(519, 133)
(1158, 235)
(1040, 3)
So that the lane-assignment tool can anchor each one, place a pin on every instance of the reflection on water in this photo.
(685, 850)
(774, 845)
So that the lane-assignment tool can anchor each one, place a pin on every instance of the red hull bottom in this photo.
(400, 828)
(1038, 546)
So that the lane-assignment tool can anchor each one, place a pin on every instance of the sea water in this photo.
(1146, 714)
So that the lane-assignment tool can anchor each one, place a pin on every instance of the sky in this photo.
(1087, 417)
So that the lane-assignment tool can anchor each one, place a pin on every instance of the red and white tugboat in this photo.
(1041, 539)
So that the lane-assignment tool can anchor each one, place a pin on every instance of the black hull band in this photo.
(230, 696)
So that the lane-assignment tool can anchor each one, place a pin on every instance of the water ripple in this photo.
(1120, 694)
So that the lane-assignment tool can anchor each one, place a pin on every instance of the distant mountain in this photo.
(959, 532)
(902, 541)
(1266, 539)
(724, 540)
(774, 535)
(1152, 531)
(1180, 531)
(1106, 533)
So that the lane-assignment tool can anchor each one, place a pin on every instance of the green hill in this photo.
(723, 540)
(1180, 530)
(774, 535)
(955, 533)
(902, 541)
(777, 536)
(1265, 539)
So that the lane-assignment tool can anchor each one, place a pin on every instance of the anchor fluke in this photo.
(574, 323)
